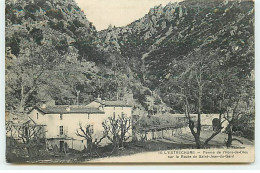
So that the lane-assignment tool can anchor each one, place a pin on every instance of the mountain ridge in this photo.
(166, 33)
(133, 62)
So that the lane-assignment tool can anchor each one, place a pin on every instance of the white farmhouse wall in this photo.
(40, 119)
(70, 123)
(118, 111)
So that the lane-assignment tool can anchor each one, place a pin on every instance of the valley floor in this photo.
(145, 150)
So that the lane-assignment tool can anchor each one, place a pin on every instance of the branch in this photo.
(104, 136)
(212, 136)
(78, 134)
(35, 132)
(235, 139)
(80, 127)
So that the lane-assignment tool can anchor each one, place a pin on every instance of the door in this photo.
(61, 146)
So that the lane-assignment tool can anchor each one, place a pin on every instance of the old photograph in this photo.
(129, 81)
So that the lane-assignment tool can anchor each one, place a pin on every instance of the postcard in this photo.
(129, 82)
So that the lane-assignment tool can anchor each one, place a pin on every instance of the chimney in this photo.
(43, 105)
(99, 99)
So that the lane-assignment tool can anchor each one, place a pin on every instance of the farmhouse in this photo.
(62, 121)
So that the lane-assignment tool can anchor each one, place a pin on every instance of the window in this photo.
(61, 116)
(61, 130)
(91, 129)
(26, 132)
(37, 115)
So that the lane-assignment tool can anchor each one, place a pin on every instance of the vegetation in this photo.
(24, 140)
(191, 57)
(87, 133)
(117, 130)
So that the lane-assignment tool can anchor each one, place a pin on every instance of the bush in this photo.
(31, 8)
(37, 35)
(18, 152)
(56, 26)
(55, 14)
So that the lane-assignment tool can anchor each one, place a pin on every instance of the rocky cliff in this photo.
(136, 61)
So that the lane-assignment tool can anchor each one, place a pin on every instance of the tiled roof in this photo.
(114, 103)
(63, 109)
(117, 103)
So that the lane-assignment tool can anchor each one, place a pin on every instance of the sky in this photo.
(102, 13)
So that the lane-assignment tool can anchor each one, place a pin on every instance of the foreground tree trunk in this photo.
(89, 145)
(197, 138)
(198, 144)
(115, 143)
(218, 130)
(121, 142)
(229, 140)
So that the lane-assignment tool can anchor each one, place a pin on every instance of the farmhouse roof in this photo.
(114, 103)
(69, 109)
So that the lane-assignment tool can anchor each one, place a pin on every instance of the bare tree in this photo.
(29, 135)
(87, 133)
(125, 126)
(116, 130)
(190, 82)
(111, 130)
(9, 127)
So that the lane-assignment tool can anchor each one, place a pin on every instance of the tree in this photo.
(204, 81)
(30, 135)
(87, 133)
(232, 92)
(112, 130)
(116, 130)
(30, 70)
(217, 96)
(9, 131)
(239, 103)
(125, 125)
(192, 74)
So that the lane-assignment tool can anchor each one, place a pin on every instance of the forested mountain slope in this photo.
(54, 52)
(156, 44)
